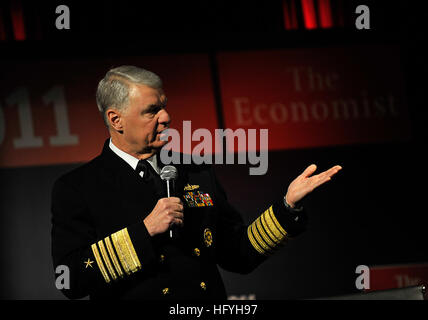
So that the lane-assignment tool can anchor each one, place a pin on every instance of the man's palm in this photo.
(305, 183)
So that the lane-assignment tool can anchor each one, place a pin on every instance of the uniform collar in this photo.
(131, 160)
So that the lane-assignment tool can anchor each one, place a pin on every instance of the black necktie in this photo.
(151, 176)
(144, 166)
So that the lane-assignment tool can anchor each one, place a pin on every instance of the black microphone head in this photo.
(169, 173)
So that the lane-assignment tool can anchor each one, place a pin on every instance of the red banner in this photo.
(48, 112)
(316, 97)
(303, 97)
(398, 276)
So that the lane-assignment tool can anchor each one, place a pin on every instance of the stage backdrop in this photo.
(319, 97)
(305, 98)
(49, 113)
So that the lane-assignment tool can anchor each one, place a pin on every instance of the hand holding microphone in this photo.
(168, 211)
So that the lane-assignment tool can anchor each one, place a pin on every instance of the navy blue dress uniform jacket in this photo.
(99, 234)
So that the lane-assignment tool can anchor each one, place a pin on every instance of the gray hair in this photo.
(113, 89)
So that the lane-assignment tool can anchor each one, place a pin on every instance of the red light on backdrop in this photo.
(309, 14)
(324, 9)
(312, 14)
(18, 20)
(290, 14)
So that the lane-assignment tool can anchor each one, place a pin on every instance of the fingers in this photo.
(171, 203)
(177, 222)
(177, 218)
(177, 214)
(332, 171)
(320, 181)
(176, 207)
(171, 207)
(309, 171)
(174, 199)
(167, 212)
(325, 176)
(174, 211)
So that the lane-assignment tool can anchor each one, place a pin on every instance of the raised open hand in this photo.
(305, 183)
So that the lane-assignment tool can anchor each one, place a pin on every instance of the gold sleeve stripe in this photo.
(266, 233)
(259, 239)
(272, 226)
(120, 252)
(263, 234)
(106, 259)
(100, 262)
(277, 224)
(126, 251)
(128, 256)
(253, 241)
(113, 256)
(131, 249)
(268, 230)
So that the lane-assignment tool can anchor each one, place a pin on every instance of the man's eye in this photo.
(157, 109)
(153, 110)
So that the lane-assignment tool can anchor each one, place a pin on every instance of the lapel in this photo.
(136, 197)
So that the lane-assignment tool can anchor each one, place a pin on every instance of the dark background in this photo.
(372, 213)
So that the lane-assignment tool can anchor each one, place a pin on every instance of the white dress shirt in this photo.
(132, 161)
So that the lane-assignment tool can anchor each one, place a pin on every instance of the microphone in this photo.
(169, 174)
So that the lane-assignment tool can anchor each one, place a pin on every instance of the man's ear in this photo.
(114, 119)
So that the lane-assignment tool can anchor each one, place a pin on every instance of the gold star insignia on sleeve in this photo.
(89, 263)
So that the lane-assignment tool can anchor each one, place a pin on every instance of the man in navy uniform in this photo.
(111, 217)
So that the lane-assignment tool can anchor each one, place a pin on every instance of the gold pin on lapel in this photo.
(191, 187)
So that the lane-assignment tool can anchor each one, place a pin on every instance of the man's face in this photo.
(144, 119)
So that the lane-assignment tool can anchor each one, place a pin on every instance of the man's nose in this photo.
(164, 117)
